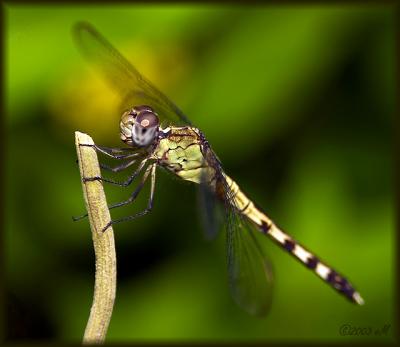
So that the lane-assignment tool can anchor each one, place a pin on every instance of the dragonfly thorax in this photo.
(139, 126)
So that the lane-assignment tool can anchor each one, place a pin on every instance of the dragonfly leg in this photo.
(121, 184)
(116, 149)
(75, 219)
(136, 191)
(111, 152)
(152, 169)
(119, 167)
(127, 156)
(129, 181)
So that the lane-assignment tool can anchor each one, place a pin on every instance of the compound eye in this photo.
(145, 128)
(147, 120)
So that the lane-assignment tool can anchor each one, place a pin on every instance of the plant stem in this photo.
(104, 247)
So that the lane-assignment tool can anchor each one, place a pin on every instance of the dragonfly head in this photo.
(139, 126)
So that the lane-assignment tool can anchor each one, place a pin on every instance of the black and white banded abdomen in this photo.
(268, 227)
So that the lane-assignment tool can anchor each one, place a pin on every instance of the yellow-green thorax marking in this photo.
(181, 153)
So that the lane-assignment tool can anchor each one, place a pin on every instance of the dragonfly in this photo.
(157, 134)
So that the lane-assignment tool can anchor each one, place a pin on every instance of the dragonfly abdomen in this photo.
(248, 209)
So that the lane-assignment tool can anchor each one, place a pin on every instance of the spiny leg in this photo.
(152, 169)
(129, 181)
(118, 168)
(116, 149)
(121, 184)
(111, 152)
(135, 192)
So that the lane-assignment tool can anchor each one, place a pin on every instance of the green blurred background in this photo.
(298, 103)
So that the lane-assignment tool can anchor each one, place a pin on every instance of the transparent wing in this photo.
(250, 272)
(210, 209)
(133, 88)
